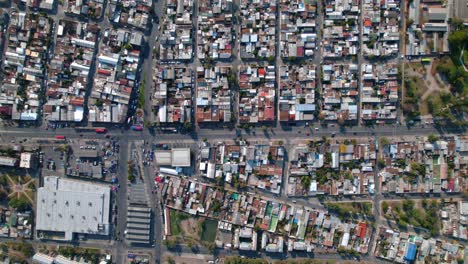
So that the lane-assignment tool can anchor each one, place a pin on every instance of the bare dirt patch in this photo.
(190, 228)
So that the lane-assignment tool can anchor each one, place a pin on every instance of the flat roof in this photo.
(461, 9)
(176, 157)
(72, 206)
(163, 157)
(181, 157)
(25, 160)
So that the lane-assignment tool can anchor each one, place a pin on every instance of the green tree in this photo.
(384, 207)
(170, 260)
(381, 163)
(384, 141)
(271, 59)
(216, 206)
(20, 204)
(128, 46)
(170, 243)
(456, 22)
(432, 138)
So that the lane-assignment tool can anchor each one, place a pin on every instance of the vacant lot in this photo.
(351, 209)
(422, 214)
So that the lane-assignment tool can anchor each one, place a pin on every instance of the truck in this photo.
(59, 137)
(136, 128)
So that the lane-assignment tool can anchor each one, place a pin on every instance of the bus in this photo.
(59, 137)
(91, 129)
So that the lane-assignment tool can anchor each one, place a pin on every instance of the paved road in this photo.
(154, 202)
(287, 134)
(121, 201)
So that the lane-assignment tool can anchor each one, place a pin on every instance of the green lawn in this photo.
(176, 218)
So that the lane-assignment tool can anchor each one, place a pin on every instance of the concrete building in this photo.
(68, 207)
(7, 161)
(176, 157)
(42, 259)
(461, 10)
(27, 160)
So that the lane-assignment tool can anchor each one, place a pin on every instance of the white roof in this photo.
(42, 259)
(25, 161)
(163, 157)
(181, 157)
(72, 206)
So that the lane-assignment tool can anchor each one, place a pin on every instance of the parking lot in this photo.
(94, 159)
(52, 159)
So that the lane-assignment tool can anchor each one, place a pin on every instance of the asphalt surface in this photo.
(277, 133)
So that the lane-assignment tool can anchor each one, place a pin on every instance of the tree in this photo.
(188, 125)
(432, 138)
(20, 204)
(216, 206)
(128, 46)
(455, 22)
(131, 177)
(409, 22)
(418, 169)
(381, 163)
(271, 59)
(99, 102)
(408, 205)
(3, 194)
(25, 248)
(169, 243)
(170, 260)
(384, 141)
(384, 207)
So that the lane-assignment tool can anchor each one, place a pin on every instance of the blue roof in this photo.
(305, 107)
(411, 252)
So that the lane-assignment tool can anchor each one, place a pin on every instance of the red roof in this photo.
(261, 71)
(367, 23)
(362, 227)
(6, 110)
(300, 51)
(158, 179)
(77, 102)
(292, 117)
(451, 185)
(269, 113)
(104, 72)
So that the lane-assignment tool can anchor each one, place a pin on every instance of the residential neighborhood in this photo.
(233, 131)
(69, 71)
(258, 29)
(116, 77)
